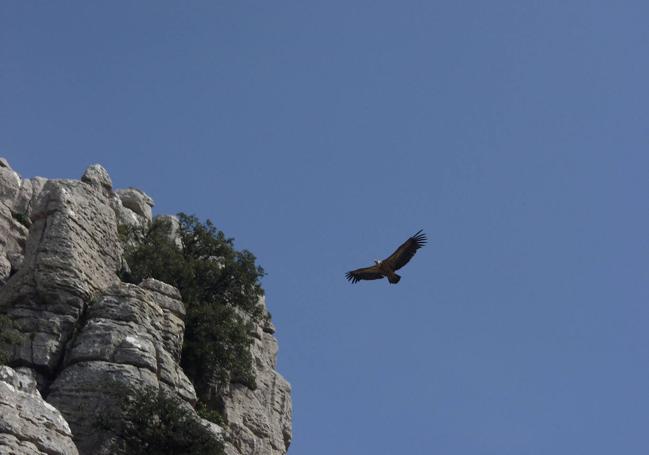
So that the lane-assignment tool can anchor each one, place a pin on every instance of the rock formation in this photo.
(29, 424)
(83, 329)
(131, 336)
(71, 254)
(260, 420)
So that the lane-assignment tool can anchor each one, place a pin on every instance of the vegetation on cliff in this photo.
(152, 422)
(220, 288)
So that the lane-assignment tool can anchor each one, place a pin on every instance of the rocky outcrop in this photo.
(72, 253)
(132, 337)
(95, 175)
(259, 421)
(137, 201)
(17, 196)
(133, 208)
(83, 329)
(28, 424)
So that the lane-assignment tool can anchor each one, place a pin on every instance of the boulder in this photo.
(96, 175)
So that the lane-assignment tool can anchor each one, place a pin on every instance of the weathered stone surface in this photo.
(27, 195)
(126, 338)
(13, 233)
(259, 420)
(28, 424)
(10, 183)
(129, 219)
(96, 175)
(173, 328)
(137, 201)
(22, 202)
(72, 253)
(13, 222)
(133, 210)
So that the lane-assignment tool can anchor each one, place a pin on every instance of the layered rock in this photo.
(17, 196)
(133, 208)
(28, 424)
(84, 329)
(259, 421)
(132, 336)
(72, 252)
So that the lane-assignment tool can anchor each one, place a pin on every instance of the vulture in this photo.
(394, 262)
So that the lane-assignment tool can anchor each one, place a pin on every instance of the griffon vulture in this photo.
(387, 267)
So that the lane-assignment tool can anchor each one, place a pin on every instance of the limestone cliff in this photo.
(82, 328)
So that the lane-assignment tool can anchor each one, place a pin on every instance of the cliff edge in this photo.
(81, 332)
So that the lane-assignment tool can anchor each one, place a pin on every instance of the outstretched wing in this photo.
(366, 273)
(406, 251)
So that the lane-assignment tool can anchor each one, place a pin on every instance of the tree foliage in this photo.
(152, 422)
(220, 288)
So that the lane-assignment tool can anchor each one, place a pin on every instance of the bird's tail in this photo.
(393, 278)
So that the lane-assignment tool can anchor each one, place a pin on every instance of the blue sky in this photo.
(321, 135)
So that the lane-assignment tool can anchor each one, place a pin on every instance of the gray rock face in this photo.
(16, 197)
(137, 201)
(10, 184)
(28, 424)
(27, 195)
(132, 335)
(18, 194)
(133, 209)
(173, 327)
(259, 420)
(71, 253)
(95, 175)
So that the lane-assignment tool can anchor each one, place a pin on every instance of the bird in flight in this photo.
(395, 261)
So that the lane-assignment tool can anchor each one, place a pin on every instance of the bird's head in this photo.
(377, 262)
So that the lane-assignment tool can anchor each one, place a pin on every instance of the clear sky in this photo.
(322, 134)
